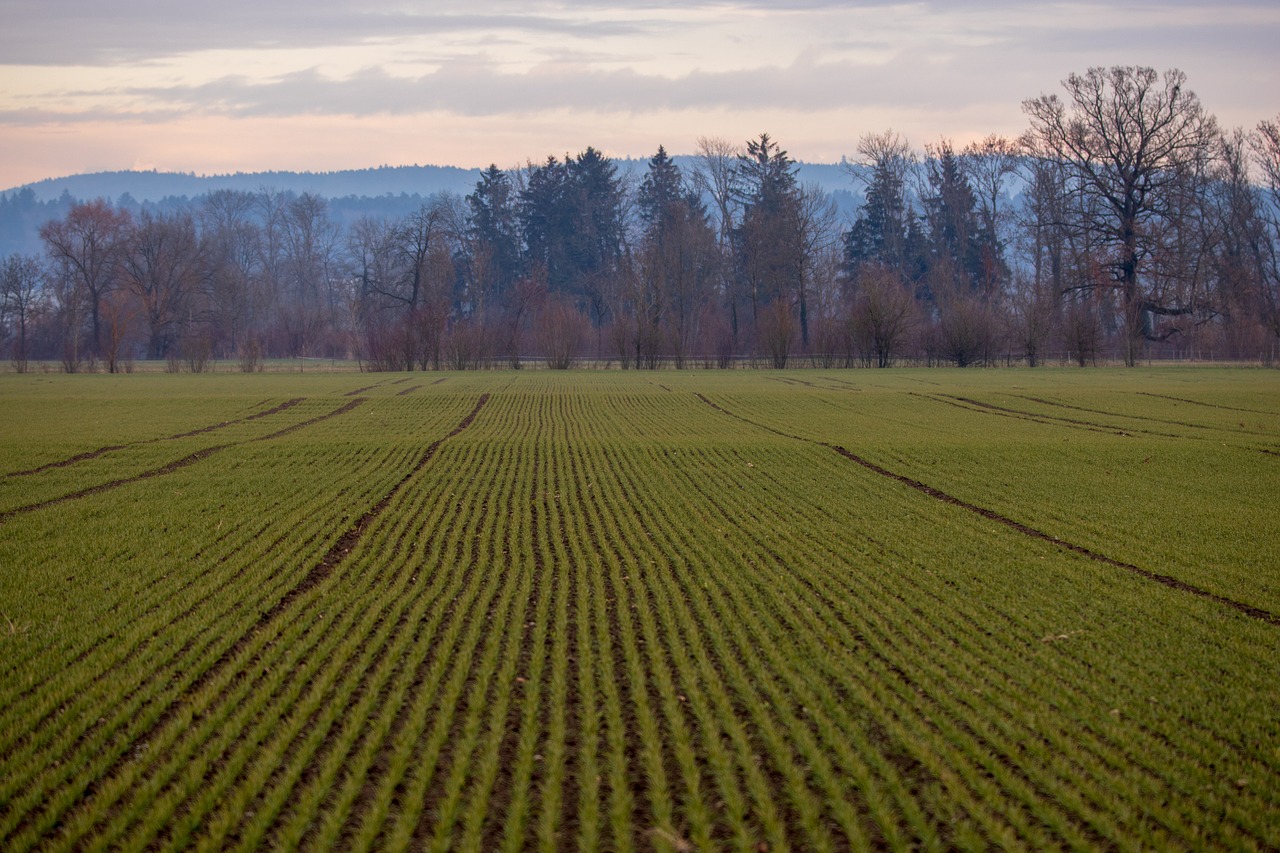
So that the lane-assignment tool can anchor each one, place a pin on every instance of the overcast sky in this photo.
(249, 85)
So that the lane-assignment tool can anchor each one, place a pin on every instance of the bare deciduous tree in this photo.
(233, 286)
(1266, 147)
(1129, 138)
(85, 246)
(161, 265)
(989, 165)
(21, 297)
(884, 313)
(716, 176)
(561, 330)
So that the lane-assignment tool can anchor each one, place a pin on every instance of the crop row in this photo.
(1195, 507)
(596, 612)
(777, 514)
(118, 627)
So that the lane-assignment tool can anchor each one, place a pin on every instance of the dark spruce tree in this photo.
(768, 241)
(494, 232)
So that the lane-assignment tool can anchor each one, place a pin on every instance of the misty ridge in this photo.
(382, 191)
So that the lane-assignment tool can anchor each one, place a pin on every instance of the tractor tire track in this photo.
(421, 678)
(990, 514)
(176, 465)
(1207, 405)
(318, 573)
(1164, 421)
(338, 552)
(94, 454)
(287, 404)
(971, 405)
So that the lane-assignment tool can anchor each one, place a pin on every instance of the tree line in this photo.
(1124, 223)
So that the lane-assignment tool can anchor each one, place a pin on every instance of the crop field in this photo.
(806, 610)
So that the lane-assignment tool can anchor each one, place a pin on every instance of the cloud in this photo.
(815, 71)
(61, 32)
(950, 73)
(477, 88)
(86, 32)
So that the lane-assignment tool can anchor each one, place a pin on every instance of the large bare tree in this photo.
(85, 248)
(1132, 141)
(21, 297)
(1266, 148)
(162, 265)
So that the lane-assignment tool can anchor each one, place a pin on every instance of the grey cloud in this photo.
(1026, 62)
(70, 33)
(54, 32)
(477, 90)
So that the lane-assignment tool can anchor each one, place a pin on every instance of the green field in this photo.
(801, 610)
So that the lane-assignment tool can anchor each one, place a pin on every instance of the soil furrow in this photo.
(114, 484)
(1167, 580)
(335, 555)
(341, 410)
(1165, 421)
(338, 552)
(1048, 420)
(286, 405)
(370, 676)
(179, 464)
(79, 457)
(103, 672)
(915, 776)
(94, 454)
(937, 494)
(1207, 405)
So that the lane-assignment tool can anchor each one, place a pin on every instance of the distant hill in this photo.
(390, 191)
(153, 186)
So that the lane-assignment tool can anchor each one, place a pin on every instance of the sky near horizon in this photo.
(325, 85)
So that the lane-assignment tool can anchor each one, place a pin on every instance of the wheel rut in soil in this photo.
(94, 454)
(1206, 405)
(179, 464)
(937, 494)
(332, 558)
(970, 405)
